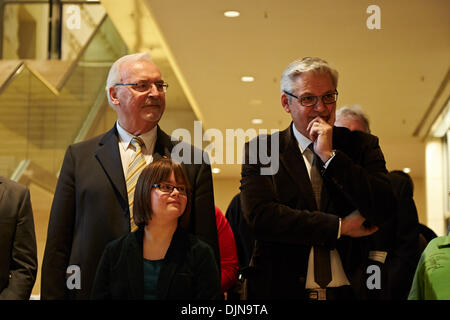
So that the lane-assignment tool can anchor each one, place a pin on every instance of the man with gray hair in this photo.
(93, 200)
(331, 190)
(352, 118)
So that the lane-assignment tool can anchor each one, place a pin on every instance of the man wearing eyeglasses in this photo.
(331, 190)
(93, 202)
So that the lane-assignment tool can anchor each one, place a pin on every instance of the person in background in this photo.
(432, 277)
(94, 196)
(244, 244)
(396, 245)
(229, 264)
(18, 260)
(330, 190)
(160, 260)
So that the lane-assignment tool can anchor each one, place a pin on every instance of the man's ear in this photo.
(113, 95)
(285, 103)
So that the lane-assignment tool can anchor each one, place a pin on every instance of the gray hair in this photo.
(114, 72)
(354, 112)
(308, 64)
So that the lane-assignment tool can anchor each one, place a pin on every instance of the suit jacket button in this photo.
(302, 280)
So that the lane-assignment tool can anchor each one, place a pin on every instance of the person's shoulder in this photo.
(12, 185)
(438, 241)
(197, 245)
(356, 137)
(94, 141)
(263, 137)
(118, 244)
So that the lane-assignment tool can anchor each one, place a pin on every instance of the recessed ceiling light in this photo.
(231, 14)
(406, 170)
(257, 121)
(247, 79)
(215, 170)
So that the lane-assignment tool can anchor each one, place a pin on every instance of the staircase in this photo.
(44, 105)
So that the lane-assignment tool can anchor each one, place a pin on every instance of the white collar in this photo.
(149, 137)
(302, 141)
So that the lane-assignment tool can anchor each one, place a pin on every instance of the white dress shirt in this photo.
(127, 150)
(337, 271)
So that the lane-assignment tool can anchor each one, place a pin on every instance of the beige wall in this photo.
(224, 191)
(420, 198)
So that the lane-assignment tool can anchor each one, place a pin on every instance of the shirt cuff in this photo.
(339, 231)
(329, 160)
(379, 256)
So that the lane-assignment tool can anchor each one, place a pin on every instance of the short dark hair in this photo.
(156, 172)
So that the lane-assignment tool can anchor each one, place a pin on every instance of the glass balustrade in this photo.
(37, 123)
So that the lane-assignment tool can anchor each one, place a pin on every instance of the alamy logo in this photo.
(222, 150)
(374, 20)
(74, 277)
(374, 280)
(73, 21)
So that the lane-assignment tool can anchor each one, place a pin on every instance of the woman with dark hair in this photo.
(160, 260)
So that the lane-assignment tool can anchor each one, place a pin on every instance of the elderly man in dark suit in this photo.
(18, 261)
(94, 195)
(330, 190)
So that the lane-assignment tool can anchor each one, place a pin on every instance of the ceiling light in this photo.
(215, 170)
(247, 79)
(257, 121)
(406, 170)
(231, 14)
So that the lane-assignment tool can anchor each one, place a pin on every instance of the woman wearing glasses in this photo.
(160, 260)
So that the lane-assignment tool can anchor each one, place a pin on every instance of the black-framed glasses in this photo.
(168, 188)
(311, 101)
(145, 86)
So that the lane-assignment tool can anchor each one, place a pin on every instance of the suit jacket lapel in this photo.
(108, 155)
(293, 162)
(163, 146)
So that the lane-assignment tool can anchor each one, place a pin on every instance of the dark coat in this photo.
(90, 209)
(189, 270)
(281, 210)
(400, 239)
(18, 261)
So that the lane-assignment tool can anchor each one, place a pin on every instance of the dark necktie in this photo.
(322, 266)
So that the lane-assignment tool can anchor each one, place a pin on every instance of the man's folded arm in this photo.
(367, 185)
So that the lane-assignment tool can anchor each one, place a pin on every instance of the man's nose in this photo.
(320, 106)
(153, 90)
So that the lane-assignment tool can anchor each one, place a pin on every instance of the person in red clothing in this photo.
(229, 263)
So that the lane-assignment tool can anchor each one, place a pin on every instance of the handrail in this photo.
(12, 76)
(27, 171)
(82, 51)
(20, 169)
(70, 70)
(87, 124)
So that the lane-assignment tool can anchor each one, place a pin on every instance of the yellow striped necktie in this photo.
(135, 168)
